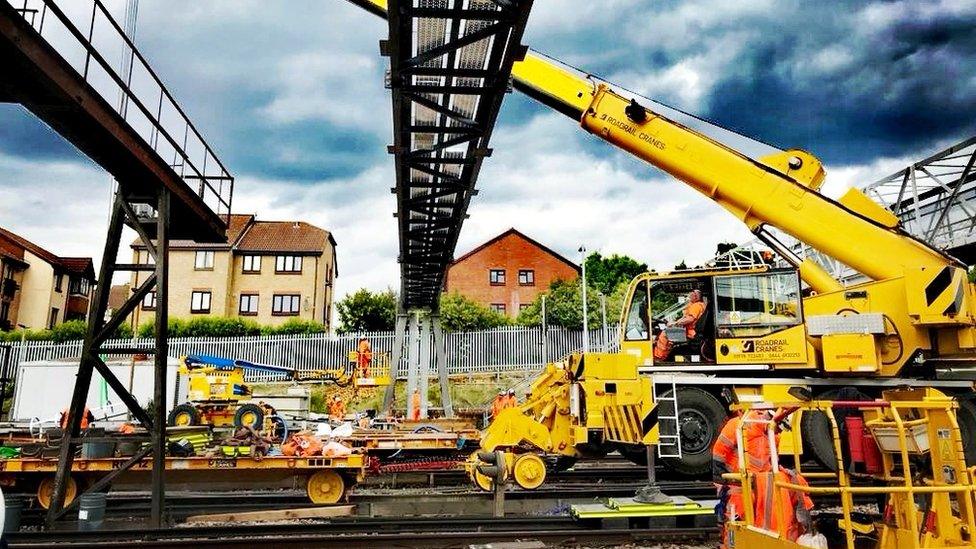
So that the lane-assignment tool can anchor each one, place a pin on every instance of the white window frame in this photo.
(207, 263)
(279, 302)
(251, 264)
(200, 301)
(253, 301)
(149, 301)
(288, 264)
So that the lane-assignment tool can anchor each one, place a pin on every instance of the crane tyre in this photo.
(818, 437)
(966, 416)
(700, 419)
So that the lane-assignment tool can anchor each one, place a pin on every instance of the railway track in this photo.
(181, 505)
(441, 532)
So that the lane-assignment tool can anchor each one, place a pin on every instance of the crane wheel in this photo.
(480, 480)
(529, 471)
(45, 491)
(251, 415)
(183, 415)
(700, 419)
(325, 487)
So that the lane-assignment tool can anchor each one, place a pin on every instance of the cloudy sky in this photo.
(291, 96)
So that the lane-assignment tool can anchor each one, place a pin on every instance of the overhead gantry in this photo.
(450, 66)
(125, 119)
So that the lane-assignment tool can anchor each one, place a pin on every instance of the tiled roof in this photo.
(519, 234)
(13, 244)
(238, 222)
(31, 247)
(284, 236)
(79, 265)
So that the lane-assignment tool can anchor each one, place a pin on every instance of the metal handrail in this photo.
(223, 191)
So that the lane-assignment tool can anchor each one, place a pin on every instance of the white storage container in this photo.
(886, 434)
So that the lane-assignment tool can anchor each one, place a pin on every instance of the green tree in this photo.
(460, 314)
(607, 273)
(366, 311)
(564, 306)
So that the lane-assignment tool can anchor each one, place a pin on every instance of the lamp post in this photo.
(586, 331)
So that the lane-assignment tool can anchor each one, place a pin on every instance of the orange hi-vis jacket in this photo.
(777, 507)
(696, 310)
(725, 451)
(85, 417)
(497, 406)
(364, 357)
(755, 436)
(337, 410)
(415, 403)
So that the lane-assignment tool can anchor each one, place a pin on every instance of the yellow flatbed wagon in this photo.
(327, 479)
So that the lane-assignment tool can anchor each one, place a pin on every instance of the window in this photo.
(496, 277)
(526, 277)
(288, 264)
(757, 305)
(285, 305)
(4, 311)
(58, 282)
(204, 261)
(200, 302)
(252, 264)
(524, 306)
(54, 319)
(149, 302)
(249, 304)
(79, 286)
(638, 323)
(498, 307)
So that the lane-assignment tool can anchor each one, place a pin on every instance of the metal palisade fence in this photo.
(508, 349)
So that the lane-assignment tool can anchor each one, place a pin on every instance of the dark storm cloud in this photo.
(21, 134)
(906, 85)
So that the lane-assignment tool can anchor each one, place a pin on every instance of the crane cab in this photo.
(747, 319)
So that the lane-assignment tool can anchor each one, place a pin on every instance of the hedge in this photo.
(67, 331)
(231, 327)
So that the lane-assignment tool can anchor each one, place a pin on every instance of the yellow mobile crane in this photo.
(763, 331)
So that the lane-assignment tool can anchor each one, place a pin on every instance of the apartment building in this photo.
(269, 271)
(507, 272)
(39, 289)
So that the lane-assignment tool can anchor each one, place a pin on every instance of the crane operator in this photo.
(693, 311)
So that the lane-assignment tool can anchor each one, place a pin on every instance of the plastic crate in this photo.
(916, 436)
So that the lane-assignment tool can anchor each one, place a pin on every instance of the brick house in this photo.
(270, 271)
(507, 272)
(39, 289)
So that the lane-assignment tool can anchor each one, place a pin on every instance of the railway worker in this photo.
(498, 404)
(692, 312)
(337, 410)
(364, 357)
(86, 418)
(725, 459)
(415, 403)
(510, 400)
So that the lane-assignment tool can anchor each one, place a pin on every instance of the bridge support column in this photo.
(396, 356)
(100, 330)
(440, 358)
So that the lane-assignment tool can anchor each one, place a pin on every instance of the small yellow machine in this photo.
(922, 476)
(574, 409)
(218, 394)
